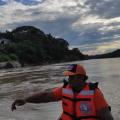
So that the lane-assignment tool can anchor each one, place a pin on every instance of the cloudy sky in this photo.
(91, 25)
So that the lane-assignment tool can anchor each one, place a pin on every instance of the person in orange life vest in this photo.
(80, 100)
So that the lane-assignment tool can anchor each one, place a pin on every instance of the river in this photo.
(22, 82)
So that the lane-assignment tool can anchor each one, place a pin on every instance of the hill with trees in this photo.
(31, 46)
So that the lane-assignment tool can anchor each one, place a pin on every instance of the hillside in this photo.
(31, 46)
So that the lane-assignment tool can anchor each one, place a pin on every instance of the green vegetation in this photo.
(4, 57)
(31, 46)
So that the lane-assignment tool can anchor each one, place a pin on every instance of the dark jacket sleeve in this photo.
(105, 114)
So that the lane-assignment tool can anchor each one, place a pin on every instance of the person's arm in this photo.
(41, 97)
(102, 107)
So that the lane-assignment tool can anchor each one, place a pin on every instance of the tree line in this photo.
(31, 46)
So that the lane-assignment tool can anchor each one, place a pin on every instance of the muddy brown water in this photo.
(22, 82)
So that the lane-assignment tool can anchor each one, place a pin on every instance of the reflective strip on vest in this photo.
(87, 92)
(67, 91)
(83, 92)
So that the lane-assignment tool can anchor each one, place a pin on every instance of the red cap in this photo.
(75, 69)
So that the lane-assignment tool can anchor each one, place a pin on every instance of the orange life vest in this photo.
(78, 106)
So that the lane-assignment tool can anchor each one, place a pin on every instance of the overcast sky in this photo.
(91, 25)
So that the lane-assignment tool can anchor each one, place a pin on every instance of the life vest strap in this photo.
(77, 99)
(81, 117)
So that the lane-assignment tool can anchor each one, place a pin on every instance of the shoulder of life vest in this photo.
(93, 86)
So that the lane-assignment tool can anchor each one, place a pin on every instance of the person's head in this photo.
(77, 75)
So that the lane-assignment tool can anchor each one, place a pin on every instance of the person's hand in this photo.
(17, 102)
